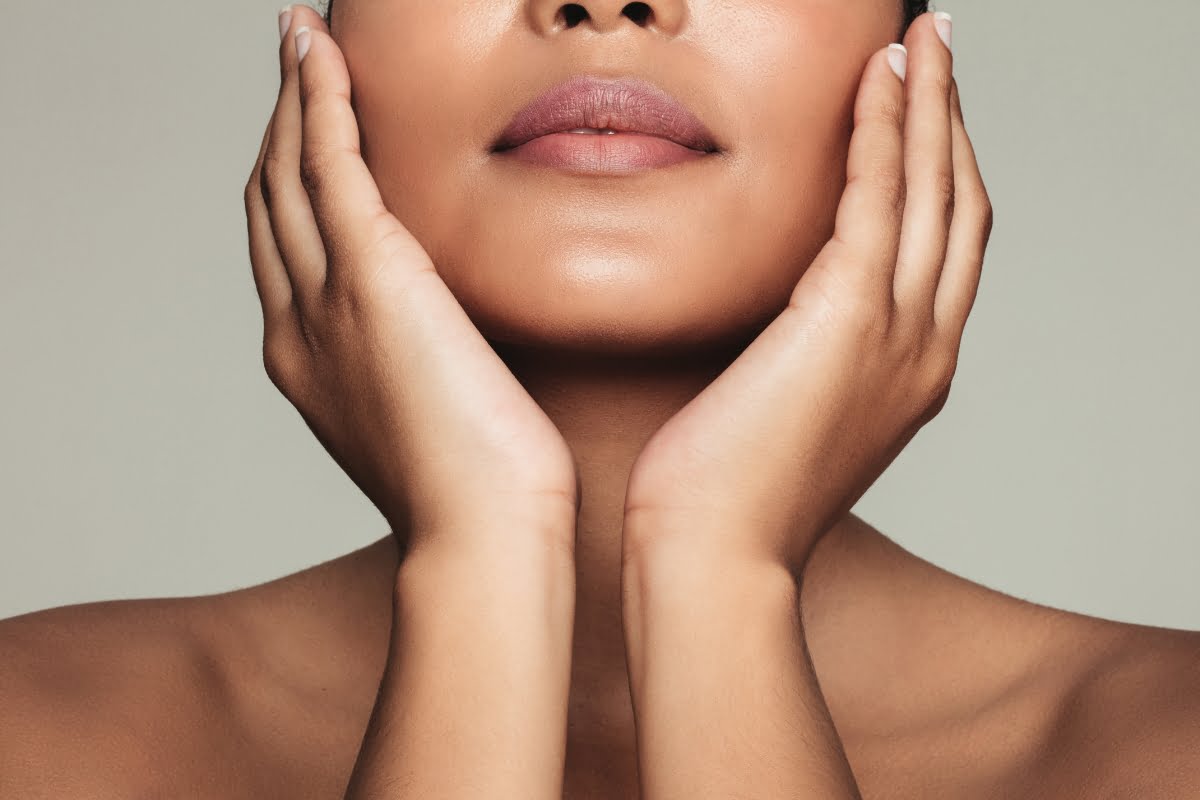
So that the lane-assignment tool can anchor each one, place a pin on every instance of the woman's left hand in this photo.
(775, 451)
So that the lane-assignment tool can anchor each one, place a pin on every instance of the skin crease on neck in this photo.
(616, 301)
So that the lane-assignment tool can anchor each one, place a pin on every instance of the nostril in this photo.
(573, 14)
(638, 12)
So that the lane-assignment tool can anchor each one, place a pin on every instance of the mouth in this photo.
(593, 124)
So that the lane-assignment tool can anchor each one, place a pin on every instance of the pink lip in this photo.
(653, 128)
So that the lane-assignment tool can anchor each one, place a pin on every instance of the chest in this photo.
(596, 778)
(1009, 751)
(1003, 755)
(605, 771)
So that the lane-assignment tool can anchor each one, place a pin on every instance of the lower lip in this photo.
(607, 153)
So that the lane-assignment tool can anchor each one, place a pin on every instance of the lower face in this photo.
(642, 259)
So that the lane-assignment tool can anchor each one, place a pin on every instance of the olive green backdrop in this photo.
(143, 452)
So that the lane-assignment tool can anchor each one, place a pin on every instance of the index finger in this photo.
(969, 233)
(266, 265)
(346, 201)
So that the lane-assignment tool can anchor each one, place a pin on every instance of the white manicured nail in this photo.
(941, 22)
(898, 58)
(303, 39)
(285, 21)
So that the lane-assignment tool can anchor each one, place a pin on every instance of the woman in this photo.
(616, 393)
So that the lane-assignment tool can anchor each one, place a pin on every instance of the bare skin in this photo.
(935, 686)
(265, 691)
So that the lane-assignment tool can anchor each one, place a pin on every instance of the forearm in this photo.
(473, 701)
(725, 697)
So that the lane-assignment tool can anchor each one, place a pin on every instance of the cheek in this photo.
(793, 111)
(411, 74)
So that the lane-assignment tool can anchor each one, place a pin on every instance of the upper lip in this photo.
(620, 104)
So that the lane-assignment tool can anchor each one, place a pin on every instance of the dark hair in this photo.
(912, 10)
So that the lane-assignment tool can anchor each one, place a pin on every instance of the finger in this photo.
(346, 202)
(929, 169)
(270, 277)
(867, 227)
(969, 233)
(291, 214)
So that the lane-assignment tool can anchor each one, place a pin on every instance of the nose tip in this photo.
(666, 16)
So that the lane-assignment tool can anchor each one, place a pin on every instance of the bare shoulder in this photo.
(258, 692)
(97, 695)
(1131, 725)
(1038, 701)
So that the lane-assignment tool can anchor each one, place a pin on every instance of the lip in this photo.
(652, 127)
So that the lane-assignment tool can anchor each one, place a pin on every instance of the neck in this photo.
(606, 409)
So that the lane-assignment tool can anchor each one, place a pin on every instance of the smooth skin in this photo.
(608, 577)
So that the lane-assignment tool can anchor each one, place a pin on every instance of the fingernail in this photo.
(941, 21)
(285, 21)
(302, 42)
(898, 58)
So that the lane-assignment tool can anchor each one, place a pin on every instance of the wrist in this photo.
(704, 567)
(653, 536)
(496, 555)
(485, 531)
(656, 535)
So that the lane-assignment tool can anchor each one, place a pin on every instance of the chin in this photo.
(636, 291)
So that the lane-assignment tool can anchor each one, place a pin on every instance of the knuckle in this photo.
(945, 374)
(270, 176)
(834, 305)
(986, 217)
(343, 302)
(928, 404)
(870, 322)
(935, 405)
(891, 111)
(940, 81)
(251, 192)
(279, 361)
(888, 179)
(888, 176)
(939, 373)
(907, 350)
(314, 170)
(942, 186)
(314, 335)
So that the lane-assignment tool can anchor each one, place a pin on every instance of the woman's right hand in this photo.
(364, 338)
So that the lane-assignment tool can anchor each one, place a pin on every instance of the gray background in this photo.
(143, 452)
